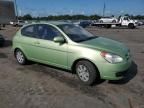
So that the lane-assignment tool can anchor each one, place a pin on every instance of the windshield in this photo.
(76, 33)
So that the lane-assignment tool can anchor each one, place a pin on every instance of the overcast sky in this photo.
(88, 7)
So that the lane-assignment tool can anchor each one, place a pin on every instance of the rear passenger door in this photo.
(48, 51)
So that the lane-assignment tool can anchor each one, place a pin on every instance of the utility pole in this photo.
(104, 8)
(16, 9)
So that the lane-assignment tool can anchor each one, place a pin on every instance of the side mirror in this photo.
(59, 39)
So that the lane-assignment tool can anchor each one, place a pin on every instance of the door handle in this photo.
(37, 42)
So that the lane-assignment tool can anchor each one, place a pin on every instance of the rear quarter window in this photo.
(29, 31)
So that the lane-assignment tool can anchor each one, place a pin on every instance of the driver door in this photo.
(125, 21)
(48, 51)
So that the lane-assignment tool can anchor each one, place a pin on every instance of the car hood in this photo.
(104, 44)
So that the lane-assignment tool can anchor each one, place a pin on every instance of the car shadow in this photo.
(97, 82)
(3, 55)
(129, 75)
(7, 43)
(56, 73)
(71, 80)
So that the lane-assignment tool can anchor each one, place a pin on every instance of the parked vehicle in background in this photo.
(18, 23)
(2, 40)
(127, 21)
(122, 21)
(71, 47)
(139, 23)
(108, 20)
(7, 11)
(83, 23)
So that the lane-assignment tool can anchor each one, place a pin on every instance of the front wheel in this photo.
(86, 72)
(20, 57)
(131, 26)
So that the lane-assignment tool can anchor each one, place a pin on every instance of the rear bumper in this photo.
(114, 71)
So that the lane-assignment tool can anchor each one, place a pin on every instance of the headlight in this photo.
(111, 58)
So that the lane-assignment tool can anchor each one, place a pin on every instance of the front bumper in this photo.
(114, 71)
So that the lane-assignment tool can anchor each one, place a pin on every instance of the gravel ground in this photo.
(39, 86)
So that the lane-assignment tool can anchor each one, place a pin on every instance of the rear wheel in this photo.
(86, 72)
(21, 59)
(101, 21)
(114, 21)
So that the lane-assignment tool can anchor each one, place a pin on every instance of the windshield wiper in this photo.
(92, 37)
(87, 39)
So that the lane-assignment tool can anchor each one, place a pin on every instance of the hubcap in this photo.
(83, 73)
(20, 57)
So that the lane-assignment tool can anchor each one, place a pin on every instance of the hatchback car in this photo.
(71, 47)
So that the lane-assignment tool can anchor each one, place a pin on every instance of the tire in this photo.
(86, 72)
(131, 26)
(20, 57)
(114, 21)
(101, 21)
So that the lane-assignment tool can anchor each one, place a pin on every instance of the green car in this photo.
(67, 46)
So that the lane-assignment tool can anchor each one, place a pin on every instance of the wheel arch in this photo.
(15, 49)
(131, 25)
(81, 59)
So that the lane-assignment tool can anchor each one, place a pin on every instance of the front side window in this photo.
(126, 18)
(47, 32)
(76, 33)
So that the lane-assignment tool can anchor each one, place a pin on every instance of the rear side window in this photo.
(29, 31)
